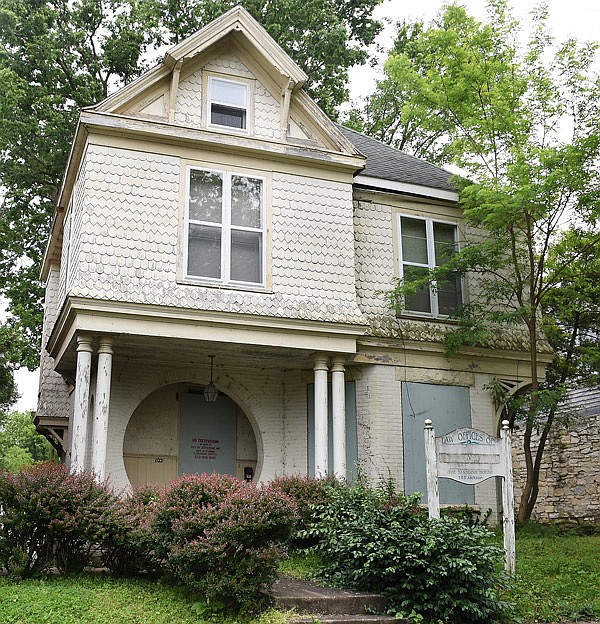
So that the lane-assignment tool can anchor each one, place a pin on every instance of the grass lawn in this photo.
(558, 578)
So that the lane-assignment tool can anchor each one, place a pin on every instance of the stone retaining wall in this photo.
(569, 475)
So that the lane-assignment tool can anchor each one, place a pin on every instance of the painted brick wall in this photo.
(379, 424)
(276, 410)
(129, 242)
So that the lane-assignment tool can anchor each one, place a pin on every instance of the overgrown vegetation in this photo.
(217, 543)
(374, 539)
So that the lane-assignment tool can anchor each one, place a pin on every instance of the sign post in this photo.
(472, 456)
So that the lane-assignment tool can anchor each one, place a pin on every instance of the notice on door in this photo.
(207, 435)
(204, 448)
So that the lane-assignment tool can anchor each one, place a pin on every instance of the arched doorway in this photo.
(175, 431)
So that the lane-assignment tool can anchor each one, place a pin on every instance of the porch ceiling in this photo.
(180, 352)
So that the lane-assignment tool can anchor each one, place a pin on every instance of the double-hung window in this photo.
(225, 227)
(229, 103)
(425, 244)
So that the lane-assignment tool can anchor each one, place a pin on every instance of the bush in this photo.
(129, 548)
(222, 537)
(51, 517)
(376, 540)
(308, 495)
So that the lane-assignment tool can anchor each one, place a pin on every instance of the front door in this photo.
(207, 435)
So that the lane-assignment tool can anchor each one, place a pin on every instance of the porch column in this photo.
(81, 408)
(101, 408)
(321, 442)
(338, 404)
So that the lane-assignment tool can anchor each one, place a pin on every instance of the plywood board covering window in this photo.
(225, 227)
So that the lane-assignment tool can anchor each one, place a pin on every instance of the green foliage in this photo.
(20, 444)
(93, 599)
(522, 121)
(57, 57)
(51, 517)
(376, 540)
(307, 493)
(557, 576)
(222, 538)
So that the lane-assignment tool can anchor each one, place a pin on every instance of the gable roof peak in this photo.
(239, 23)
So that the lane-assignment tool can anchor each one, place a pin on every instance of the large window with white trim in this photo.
(425, 244)
(228, 103)
(225, 227)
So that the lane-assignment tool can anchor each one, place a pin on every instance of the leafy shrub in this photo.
(49, 516)
(222, 537)
(129, 548)
(308, 494)
(376, 540)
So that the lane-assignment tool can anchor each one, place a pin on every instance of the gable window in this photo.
(225, 229)
(425, 244)
(228, 103)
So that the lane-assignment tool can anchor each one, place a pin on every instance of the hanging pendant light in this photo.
(210, 392)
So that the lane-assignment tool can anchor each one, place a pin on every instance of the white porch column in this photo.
(81, 408)
(338, 404)
(101, 408)
(321, 442)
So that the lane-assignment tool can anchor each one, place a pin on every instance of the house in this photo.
(214, 285)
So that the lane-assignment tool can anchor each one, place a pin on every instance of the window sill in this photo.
(423, 316)
(257, 288)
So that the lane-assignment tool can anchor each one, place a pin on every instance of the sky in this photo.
(568, 18)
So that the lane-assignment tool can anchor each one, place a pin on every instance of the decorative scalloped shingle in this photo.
(130, 246)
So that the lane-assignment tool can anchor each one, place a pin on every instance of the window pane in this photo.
(445, 242)
(246, 201)
(204, 251)
(449, 294)
(246, 256)
(419, 301)
(228, 116)
(206, 196)
(231, 93)
(414, 240)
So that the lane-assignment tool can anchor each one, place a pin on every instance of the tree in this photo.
(57, 57)
(523, 123)
(20, 444)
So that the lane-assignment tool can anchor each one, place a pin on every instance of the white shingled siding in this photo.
(276, 411)
(267, 109)
(54, 400)
(129, 242)
(374, 249)
(188, 109)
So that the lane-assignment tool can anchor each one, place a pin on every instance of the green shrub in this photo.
(376, 540)
(52, 517)
(129, 548)
(223, 537)
(308, 494)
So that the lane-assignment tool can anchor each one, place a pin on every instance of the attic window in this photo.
(228, 103)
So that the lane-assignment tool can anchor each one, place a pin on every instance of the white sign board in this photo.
(472, 456)
(468, 456)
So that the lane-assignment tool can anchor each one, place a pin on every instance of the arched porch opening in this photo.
(175, 431)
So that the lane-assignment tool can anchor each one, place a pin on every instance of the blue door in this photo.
(207, 435)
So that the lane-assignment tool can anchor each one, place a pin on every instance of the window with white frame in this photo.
(423, 245)
(228, 103)
(225, 228)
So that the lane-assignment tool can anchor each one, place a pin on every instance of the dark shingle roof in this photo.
(387, 163)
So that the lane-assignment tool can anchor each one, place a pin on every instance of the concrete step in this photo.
(332, 606)
(346, 619)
